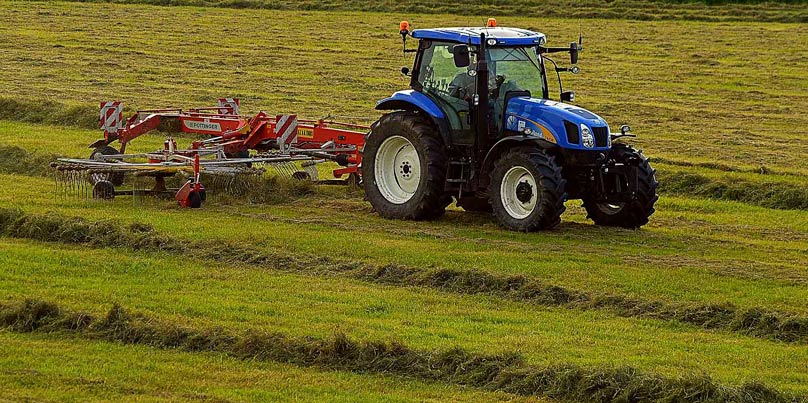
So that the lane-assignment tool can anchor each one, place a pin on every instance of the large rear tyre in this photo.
(527, 190)
(634, 213)
(116, 178)
(404, 168)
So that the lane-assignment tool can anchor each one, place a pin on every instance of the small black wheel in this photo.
(240, 154)
(404, 168)
(103, 190)
(527, 190)
(301, 176)
(630, 214)
(195, 200)
(116, 178)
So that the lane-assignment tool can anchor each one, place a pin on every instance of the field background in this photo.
(715, 286)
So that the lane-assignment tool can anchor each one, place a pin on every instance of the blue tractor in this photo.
(477, 125)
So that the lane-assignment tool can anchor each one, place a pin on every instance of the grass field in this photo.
(701, 10)
(703, 304)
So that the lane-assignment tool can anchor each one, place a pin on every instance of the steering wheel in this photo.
(459, 92)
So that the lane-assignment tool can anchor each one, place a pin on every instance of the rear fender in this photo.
(411, 100)
(504, 144)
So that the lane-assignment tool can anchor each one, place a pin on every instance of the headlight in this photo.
(586, 137)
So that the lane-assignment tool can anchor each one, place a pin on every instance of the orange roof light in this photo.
(404, 27)
(492, 23)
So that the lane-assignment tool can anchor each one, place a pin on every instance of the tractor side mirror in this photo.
(568, 96)
(573, 53)
(461, 55)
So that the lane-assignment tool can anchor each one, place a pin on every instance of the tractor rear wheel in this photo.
(404, 168)
(527, 190)
(116, 178)
(634, 213)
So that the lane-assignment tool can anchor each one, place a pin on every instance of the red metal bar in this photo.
(238, 133)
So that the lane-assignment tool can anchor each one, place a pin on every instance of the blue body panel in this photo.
(503, 36)
(415, 98)
(533, 117)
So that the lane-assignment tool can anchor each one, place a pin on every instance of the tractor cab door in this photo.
(514, 72)
(451, 87)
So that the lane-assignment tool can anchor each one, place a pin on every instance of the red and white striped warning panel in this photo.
(111, 116)
(286, 130)
(228, 106)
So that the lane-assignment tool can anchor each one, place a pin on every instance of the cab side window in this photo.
(453, 87)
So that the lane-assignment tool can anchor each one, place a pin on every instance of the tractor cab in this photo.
(446, 70)
(477, 125)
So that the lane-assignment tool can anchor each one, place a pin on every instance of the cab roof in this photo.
(503, 36)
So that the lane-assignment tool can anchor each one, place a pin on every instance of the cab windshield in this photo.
(515, 69)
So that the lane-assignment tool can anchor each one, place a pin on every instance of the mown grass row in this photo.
(701, 10)
(720, 106)
(49, 112)
(247, 188)
(755, 322)
(771, 191)
(37, 373)
(507, 372)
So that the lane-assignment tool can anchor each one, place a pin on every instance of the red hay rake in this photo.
(238, 145)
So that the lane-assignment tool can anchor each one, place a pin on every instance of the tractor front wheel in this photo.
(527, 190)
(630, 214)
(404, 168)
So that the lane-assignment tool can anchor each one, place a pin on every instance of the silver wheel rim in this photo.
(611, 209)
(518, 192)
(398, 169)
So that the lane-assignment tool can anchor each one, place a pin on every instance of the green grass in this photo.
(721, 124)
(704, 10)
(718, 101)
(192, 293)
(693, 251)
(43, 368)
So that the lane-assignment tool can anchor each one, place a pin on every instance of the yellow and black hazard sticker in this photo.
(304, 132)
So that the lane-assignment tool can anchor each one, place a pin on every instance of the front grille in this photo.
(601, 136)
(573, 136)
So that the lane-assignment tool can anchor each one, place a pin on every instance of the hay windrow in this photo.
(49, 112)
(772, 193)
(776, 194)
(698, 10)
(506, 372)
(754, 322)
(18, 161)
(242, 189)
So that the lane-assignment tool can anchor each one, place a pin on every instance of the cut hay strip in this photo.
(772, 193)
(507, 373)
(755, 322)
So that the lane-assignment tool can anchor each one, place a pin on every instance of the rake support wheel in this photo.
(116, 178)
